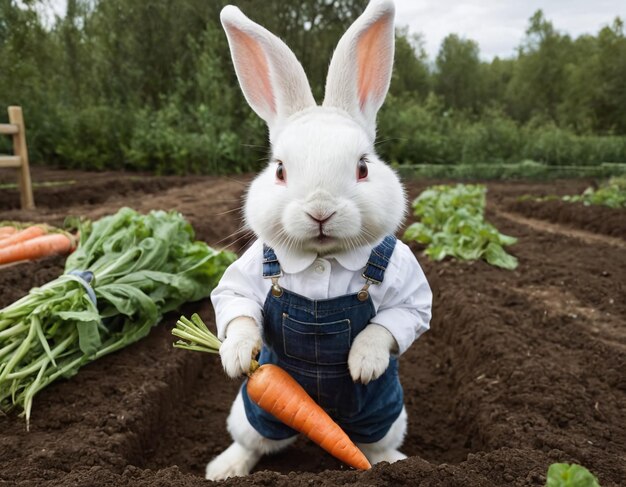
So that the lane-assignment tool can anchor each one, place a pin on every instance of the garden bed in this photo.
(604, 220)
(521, 368)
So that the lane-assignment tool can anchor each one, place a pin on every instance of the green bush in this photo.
(558, 146)
(169, 141)
(92, 138)
(413, 133)
(493, 138)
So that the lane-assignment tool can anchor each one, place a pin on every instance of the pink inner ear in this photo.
(373, 61)
(253, 70)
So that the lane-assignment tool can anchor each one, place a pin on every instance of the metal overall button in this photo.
(277, 291)
(363, 294)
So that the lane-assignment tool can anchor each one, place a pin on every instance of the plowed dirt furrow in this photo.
(559, 229)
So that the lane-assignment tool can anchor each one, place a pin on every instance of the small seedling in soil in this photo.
(566, 475)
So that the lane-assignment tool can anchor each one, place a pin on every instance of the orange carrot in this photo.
(34, 248)
(5, 231)
(22, 236)
(275, 391)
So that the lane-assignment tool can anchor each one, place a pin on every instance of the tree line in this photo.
(120, 84)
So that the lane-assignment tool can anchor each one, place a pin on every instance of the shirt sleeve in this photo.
(405, 310)
(240, 292)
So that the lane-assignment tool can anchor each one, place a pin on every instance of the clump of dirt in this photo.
(520, 369)
(15, 280)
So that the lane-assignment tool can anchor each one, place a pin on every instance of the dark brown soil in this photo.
(608, 221)
(521, 368)
(599, 219)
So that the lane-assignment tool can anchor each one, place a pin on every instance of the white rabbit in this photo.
(325, 291)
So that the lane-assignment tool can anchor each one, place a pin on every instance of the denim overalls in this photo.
(311, 339)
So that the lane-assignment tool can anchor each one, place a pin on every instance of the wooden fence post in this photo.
(20, 150)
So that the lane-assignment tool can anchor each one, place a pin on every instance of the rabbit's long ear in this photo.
(271, 78)
(360, 70)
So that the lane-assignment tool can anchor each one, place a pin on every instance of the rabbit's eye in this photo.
(361, 169)
(280, 172)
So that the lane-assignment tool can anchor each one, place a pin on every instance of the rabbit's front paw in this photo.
(369, 356)
(242, 343)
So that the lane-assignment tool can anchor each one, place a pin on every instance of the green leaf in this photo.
(565, 475)
(418, 232)
(88, 337)
(496, 255)
(506, 240)
(436, 252)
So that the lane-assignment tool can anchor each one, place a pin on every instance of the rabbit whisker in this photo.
(226, 212)
(241, 229)
(250, 235)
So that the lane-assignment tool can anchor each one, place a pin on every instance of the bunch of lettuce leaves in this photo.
(452, 223)
(611, 193)
(128, 270)
(566, 475)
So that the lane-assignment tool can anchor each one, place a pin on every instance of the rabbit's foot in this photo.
(235, 461)
(376, 456)
(386, 449)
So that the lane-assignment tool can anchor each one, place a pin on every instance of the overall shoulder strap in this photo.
(379, 260)
(271, 266)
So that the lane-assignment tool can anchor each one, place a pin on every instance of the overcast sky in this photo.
(500, 25)
(497, 25)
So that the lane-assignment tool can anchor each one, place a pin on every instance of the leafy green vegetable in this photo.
(139, 266)
(452, 224)
(611, 194)
(566, 475)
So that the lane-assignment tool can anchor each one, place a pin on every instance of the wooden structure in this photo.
(19, 160)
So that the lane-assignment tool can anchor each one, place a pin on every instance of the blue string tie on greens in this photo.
(85, 278)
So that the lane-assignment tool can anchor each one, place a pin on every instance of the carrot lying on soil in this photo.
(275, 391)
(6, 231)
(34, 248)
(23, 235)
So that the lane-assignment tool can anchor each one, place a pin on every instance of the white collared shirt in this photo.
(402, 301)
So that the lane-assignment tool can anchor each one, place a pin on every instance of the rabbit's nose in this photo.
(321, 219)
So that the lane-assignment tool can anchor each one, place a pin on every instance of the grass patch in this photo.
(44, 184)
(523, 170)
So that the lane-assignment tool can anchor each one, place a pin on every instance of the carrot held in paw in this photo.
(276, 392)
(34, 248)
(23, 235)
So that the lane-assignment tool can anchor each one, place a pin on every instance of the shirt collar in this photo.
(293, 261)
